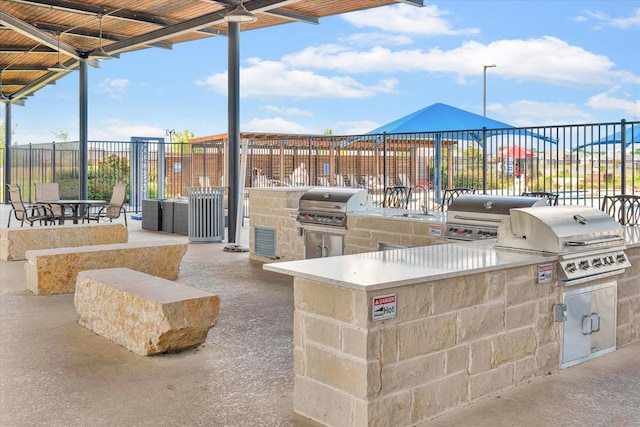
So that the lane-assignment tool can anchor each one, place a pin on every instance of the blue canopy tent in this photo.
(631, 136)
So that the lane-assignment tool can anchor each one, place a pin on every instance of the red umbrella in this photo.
(515, 152)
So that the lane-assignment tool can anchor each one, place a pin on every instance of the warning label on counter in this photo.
(545, 273)
(384, 307)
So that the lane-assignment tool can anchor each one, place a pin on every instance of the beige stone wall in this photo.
(365, 232)
(277, 207)
(452, 341)
(628, 326)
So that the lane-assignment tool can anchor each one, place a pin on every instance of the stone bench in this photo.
(146, 314)
(54, 271)
(15, 241)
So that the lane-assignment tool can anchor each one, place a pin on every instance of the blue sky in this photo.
(558, 62)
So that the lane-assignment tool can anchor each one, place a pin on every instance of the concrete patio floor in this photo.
(54, 372)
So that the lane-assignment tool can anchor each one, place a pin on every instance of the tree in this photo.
(182, 137)
(61, 135)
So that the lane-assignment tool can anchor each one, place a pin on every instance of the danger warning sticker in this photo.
(384, 307)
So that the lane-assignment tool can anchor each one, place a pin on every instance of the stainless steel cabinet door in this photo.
(575, 343)
(312, 244)
(318, 244)
(603, 305)
(590, 328)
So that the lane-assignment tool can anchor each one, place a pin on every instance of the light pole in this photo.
(484, 89)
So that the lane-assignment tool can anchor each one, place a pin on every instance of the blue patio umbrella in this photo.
(632, 136)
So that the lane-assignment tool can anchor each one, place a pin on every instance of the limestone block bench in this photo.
(54, 271)
(146, 314)
(15, 241)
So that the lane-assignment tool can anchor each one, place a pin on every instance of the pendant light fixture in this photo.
(99, 53)
(240, 14)
(59, 66)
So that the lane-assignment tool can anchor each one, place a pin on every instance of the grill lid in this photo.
(333, 199)
(560, 229)
(329, 205)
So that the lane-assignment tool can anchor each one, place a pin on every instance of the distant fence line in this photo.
(582, 163)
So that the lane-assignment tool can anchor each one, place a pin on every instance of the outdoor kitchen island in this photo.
(397, 337)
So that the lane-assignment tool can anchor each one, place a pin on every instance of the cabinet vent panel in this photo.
(265, 242)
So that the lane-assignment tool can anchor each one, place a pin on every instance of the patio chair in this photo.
(114, 209)
(51, 191)
(552, 198)
(30, 213)
(450, 194)
(397, 197)
(624, 208)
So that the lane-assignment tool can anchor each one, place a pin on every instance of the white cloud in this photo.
(354, 128)
(115, 88)
(532, 113)
(377, 39)
(602, 20)
(426, 21)
(121, 130)
(275, 125)
(269, 79)
(545, 59)
(288, 111)
(609, 101)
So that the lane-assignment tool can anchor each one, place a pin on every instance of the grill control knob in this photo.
(597, 262)
(621, 258)
(571, 267)
(584, 265)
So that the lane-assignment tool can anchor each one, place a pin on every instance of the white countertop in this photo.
(399, 267)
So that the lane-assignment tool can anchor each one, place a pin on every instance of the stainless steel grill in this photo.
(328, 206)
(477, 216)
(590, 243)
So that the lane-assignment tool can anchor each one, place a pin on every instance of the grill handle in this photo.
(595, 241)
(470, 218)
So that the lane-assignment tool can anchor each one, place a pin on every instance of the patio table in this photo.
(74, 204)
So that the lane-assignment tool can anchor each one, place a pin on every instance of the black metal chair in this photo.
(624, 208)
(552, 198)
(30, 213)
(397, 197)
(450, 194)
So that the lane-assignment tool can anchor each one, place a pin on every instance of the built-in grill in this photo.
(590, 249)
(328, 206)
(322, 211)
(590, 243)
(477, 216)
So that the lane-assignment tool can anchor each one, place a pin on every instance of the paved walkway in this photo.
(54, 372)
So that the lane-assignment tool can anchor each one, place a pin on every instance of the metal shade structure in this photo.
(440, 117)
(631, 136)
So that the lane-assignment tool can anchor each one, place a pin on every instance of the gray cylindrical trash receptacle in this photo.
(206, 214)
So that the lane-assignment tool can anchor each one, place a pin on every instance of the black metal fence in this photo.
(581, 163)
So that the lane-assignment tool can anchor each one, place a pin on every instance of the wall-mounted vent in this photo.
(265, 242)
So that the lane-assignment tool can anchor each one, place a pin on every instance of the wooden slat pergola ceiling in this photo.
(32, 31)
